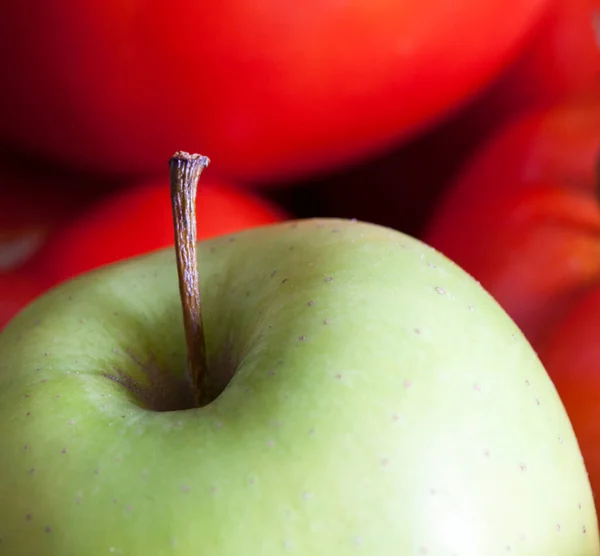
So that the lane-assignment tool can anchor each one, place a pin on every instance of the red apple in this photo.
(267, 89)
(137, 220)
(17, 289)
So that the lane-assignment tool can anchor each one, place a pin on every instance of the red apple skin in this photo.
(35, 200)
(571, 356)
(138, 219)
(29, 211)
(17, 289)
(560, 58)
(266, 89)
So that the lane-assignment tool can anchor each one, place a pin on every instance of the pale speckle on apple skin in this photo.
(440, 290)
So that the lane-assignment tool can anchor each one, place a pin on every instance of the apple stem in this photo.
(185, 173)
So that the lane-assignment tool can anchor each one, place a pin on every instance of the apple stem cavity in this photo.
(185, 172)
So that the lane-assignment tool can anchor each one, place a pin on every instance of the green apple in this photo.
(367, 396)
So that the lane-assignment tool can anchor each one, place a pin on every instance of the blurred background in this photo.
(474, 126)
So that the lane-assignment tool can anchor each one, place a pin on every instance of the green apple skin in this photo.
(382, 404)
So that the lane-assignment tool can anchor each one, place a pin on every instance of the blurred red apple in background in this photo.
(17, 289)
(32, 204)
(560, 58)
(571, 356)
(137, 219)
(267, 89)
(35, 200)
(524, 217)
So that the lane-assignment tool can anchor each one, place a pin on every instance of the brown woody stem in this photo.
(185, 173)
